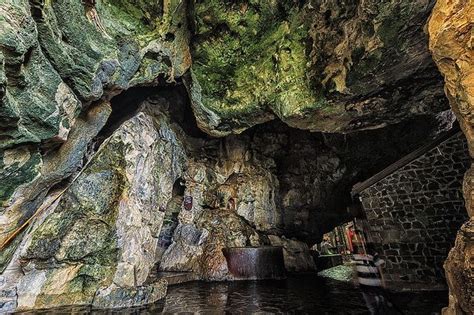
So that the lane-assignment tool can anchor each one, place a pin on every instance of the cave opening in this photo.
(273, 191)
(179, 187)
(279, 189)
(312, 173)
(173, 98)
(170, 220)
(157, 152)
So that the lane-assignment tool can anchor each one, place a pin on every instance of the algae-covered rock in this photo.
(119, 297)
(50, 170)
(318, 65)
(110, 45)
(57, 57)
(60, 63)
(103, 234)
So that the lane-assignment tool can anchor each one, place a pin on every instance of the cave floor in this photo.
(299, 294)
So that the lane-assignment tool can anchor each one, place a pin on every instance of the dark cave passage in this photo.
(314, 172)
(290, 183)
(172, 97)
(236, 157)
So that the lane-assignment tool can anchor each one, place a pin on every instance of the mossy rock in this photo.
(250, 62)
(323, 66)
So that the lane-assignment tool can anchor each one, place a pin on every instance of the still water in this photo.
(304, 294)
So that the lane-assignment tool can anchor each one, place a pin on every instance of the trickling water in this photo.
(263, 262)
(305, 294)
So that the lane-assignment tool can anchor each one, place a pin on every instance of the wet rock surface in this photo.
(450, 31)
(78, 144)
(326, 66)
(98, 245)
(59, 57)
(307, 294)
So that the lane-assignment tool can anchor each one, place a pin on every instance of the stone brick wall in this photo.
(413, 215)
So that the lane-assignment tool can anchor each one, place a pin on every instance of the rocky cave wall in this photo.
(451, 43)
(332, 66)
(279, 182)
(98, 239)
(74, 154)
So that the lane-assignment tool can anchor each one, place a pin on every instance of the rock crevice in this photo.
(264, 113)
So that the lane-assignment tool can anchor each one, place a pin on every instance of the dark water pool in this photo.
(305, 294)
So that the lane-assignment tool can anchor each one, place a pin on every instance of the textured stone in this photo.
(199, 248)
(295, 253)
(59, 57)
(418, 225)
(450, 31)
(319, 65)
(120, 297)
(326, 66)
(460, 272)
(103, 234)
(55, 166)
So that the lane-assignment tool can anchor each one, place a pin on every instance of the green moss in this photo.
(16, 174)
(68, 233)
(250, 56)
(89, 58)
(124, 17)
(364, 65)
(390, 28)
(79, 290)
(394, 17)
(80, 234)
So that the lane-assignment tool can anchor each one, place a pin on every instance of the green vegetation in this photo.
(250, 56)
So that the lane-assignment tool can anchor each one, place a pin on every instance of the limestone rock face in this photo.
(52, 169)
(451, 43)
(319, 65)
(460, 272)
(56, 59)
(125, 297)
(295, 254)
(98, 245)
(198, 248)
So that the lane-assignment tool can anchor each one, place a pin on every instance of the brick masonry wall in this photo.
(414, 213)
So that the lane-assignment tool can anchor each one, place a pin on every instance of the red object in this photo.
(350, 235)
(188, 203)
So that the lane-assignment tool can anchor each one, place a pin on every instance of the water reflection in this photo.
(295, 295)
(303, 294)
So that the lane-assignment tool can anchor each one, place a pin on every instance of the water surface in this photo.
(303, 294)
